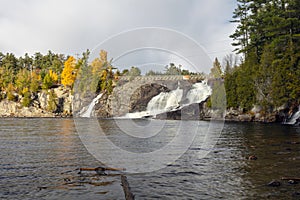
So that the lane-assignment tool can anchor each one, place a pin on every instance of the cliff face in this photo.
(120, 102)
(131, 97)
(55, 102)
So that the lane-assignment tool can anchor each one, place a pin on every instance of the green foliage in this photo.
(216, 71)
(217, 100)
(35, 82)
(153, 73)
(134, 71)
(231, 89)
(125, 72)
(22, 80)
(52, 101)
(7, 77)
(268, 35)
(47, 82)
(103, 74)
(26, 99)
(172, 69)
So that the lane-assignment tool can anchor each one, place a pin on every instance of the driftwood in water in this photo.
(290, 178)
(126, 188)
(100, 170)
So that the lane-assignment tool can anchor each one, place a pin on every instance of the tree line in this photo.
(22, 78)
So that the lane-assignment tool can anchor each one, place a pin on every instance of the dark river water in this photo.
(39, 160)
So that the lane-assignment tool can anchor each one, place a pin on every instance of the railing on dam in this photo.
(162, 77)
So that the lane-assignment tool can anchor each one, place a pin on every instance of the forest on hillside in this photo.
(268, 38)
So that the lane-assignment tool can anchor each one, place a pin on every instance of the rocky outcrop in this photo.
(202, 112)
(102, 108)
(122, 102)
(15, 109)
(60, 98)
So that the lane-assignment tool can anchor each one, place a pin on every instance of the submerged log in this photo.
(126, 188)
(100, 170)
(291, 178)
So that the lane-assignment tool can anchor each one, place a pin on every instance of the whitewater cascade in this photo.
(171, 101)
(294, 118)
(88, 112)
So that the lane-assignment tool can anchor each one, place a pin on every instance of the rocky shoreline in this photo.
(55, 102)
(138, 102)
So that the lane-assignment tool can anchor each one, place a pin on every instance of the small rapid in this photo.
(294, 119)
(88, 112)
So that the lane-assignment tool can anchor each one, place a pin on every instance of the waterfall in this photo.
(165, 101)
(294, 118)
(198, 93)
(88, 112)
(171, 101)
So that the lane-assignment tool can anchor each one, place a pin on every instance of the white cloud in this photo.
(73, 26)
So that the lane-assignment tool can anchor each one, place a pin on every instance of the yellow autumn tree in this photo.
(99, 63)
(53, 76)
(69, 72)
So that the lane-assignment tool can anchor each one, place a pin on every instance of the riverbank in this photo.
(58, 102)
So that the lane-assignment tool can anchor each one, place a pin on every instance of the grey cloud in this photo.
(73, 26)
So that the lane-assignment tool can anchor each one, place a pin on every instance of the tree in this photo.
(52, 101)
(268, 34)
(47, 82)
(172, 69)
(53, 76)
(216, 71)
(134, 71)
(22, 81)
(102, 74)
(69, 72)
(26, 97)
(7, 76)
(10, 90)
(35, 82)
(241, 34)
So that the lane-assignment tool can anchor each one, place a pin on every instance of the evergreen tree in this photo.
(268, 34)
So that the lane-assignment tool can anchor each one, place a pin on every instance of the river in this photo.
(39, 160)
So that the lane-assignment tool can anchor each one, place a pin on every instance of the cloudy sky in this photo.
(71, 27)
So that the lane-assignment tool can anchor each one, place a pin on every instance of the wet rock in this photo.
(292, 182)
(252, 157)
(296, 194)
(245, 118)
(102, 108)
(274, 183)
(256, 109)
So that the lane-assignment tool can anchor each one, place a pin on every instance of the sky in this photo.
(71, 27)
